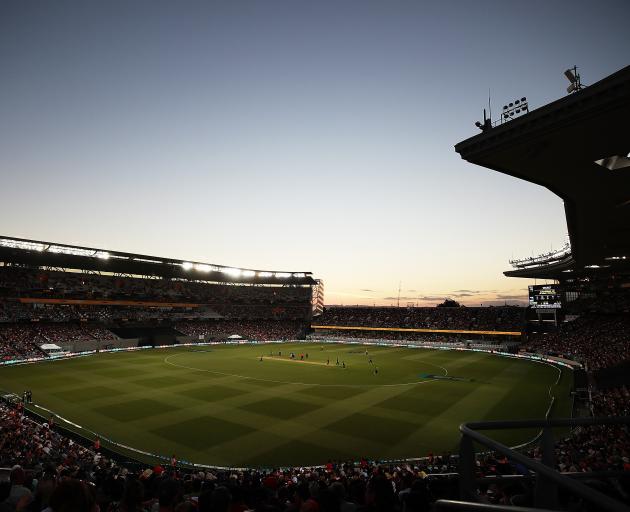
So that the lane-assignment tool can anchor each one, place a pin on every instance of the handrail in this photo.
(481, 507)
(548, 478)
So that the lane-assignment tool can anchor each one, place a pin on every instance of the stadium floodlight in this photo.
(265, 274)
(202, 267)
(18, 244)
(187, 265)
(574, 77)
(248, 273)
(283, 275)
(71, 251)
(104, 255)
(516, 107)
(234, 272)
(299, 275)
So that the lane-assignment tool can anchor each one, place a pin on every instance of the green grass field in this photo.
(221, 405)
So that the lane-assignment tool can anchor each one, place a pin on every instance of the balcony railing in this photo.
(548, 480)
(543, 259)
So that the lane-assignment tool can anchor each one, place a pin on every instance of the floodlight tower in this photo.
(513, 108)
(573, 77)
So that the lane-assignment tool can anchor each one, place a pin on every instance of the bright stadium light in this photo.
(299, 274)
(187, 265)
(201, 267)
(72, 251)
(248, 273)
(18, 244)
(283, 275)
(513, 108)
(104, 255)
(265, 274)
(234, 272)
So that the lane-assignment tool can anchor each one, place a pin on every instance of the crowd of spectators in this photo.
(401, 337)
(19, 342)
(255, 330)
(69, 332)
(21, 312)
(615, 300)
(35, 294)
(23, 340)
(21, 282)
(504, 318)
(599, 447)
(597, 341)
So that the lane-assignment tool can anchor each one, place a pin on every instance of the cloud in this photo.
(365, 290)
(470, 292)
(464, 295)
(512, 297)
(502, 302)
(415, 299)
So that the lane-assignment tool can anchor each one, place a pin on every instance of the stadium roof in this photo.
(577, 147)
(49, 254)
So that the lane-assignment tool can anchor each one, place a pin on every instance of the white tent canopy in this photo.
(50, 347)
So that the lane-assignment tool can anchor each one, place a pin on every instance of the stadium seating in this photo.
(598, 341)
(493, 318)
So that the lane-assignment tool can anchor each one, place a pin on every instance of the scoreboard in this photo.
(545, 296)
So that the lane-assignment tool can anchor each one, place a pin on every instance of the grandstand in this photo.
(574, 148)
(83, 298)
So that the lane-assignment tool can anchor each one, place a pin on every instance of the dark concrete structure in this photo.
(578, 148)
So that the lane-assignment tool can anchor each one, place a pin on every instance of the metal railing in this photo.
(452, 505)
(548, 480)
(543, 259)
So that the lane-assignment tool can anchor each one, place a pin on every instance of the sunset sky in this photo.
(291, 135)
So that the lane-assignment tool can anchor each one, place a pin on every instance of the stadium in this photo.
(131, 362)
(133, 382)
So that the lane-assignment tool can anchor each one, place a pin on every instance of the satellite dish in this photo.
(569, 74)
(572, 87)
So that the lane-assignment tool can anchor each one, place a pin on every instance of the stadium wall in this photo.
(94, 345)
